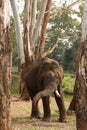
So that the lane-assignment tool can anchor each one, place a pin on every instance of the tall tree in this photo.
(35, 22)
(79, 102)
(5, 66)
(67, 30)
(18, 34)
(41, 43)
(32, 25)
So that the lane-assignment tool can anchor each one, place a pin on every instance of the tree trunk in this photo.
(29, 57)
(5, 66)
(18, 34)
(80, 90)
(41, 44)
(31, 29)
(39, 22)
(21, 55)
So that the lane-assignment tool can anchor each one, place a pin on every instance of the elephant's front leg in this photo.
(60, 104)
(46, 108)
(35, 111)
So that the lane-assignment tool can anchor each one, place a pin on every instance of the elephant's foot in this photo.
(37, 116)
(63, 119)
(63, 116)
(48, 119)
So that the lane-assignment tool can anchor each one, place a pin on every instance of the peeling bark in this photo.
(5, 67)
(79, 101)
(80, 93)
(81, 88)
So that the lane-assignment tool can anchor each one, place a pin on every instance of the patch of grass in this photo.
(68, 97)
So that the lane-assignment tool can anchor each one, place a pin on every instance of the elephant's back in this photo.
(47, 64)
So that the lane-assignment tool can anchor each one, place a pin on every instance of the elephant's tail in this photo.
(44, 93)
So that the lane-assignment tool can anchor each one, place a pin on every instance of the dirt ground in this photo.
(20, 114)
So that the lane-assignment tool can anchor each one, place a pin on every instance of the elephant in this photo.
(42, 79)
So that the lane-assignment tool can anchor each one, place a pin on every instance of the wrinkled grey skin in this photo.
(43, 79)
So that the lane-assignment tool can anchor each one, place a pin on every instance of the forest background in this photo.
(64, 31)
(59, 41)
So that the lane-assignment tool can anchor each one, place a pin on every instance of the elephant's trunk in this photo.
(44, 93)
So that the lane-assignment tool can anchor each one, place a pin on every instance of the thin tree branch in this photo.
(55, 46)
(33, 18)
(39, 21)
(50, 50)
(65, 9)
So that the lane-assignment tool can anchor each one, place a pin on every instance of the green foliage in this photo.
(68, 84)
(15, 81)
(67, 28)
(14, 44)
(15, 70)
(15, 84)
(62, 26)
(59, 27)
